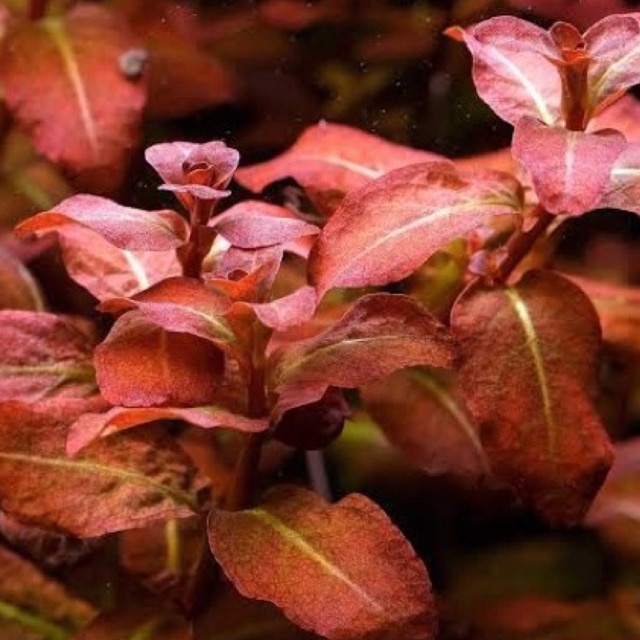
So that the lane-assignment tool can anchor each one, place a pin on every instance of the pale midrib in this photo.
(45, 628)
(77, 373)
(83, 466)
(220, 331)
(569, 163)
(297, 541)
(425, 220)
(625, 171)
(613, 68)
(541, 106)
(137, 269)
(341, 162)
(56, 30)
(528, 327)
(447, 402)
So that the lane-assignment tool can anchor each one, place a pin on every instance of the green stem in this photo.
(44, 628)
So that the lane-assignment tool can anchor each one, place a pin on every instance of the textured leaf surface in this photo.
(108, 272)
(33, 606)
(386, 230)
(124, 227)
(423, 414)
(95, 425)
(570, 169)
(129, 481)
(511, 68)
(329, 160)
(141, 365)
(42, 355)
(253, 224)
(529, 363)
(356, 575)
(63, 82)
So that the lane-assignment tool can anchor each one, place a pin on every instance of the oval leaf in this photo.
(356, 575)
(529, 364)
(386, 230)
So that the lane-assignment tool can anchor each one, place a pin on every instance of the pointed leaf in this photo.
(32, 605)
(91, 426)
(570, 169)
(253, 224)
(512, 69)
(356, 575)
(386, 230)
(42, 355)
(62, 80)
(423, 414)
(124, 227)
(329, 160)
(141, 365)
(530, 355)
(129, 481)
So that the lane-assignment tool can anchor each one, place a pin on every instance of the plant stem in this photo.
(520, 244)
(195, 251)
(38, 9)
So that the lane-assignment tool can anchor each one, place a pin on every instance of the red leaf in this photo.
(512, 70)
(423, 415)
(379, 334)
(91, 426)
(386, 230)
(623, 116)
(329, 160)
(128, 481)
(34, 605)
(142, 365)
(43, 355)
(124, 227)
(570, 169)
(623, 190)
(356, 576)
(288, 311)
(253, 224)
(108, 272)
(18, 289)
(530, 356)
(63, 81)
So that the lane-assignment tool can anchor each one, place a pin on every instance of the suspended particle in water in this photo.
(133, 62)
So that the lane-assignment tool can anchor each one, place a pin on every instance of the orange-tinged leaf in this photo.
(423, 414)
(356, 576)
(129, 481)
(43, 355)
(33, 606)
(570, 169)
(140, 364)
(387, 229)
(63, 81)
(329, 160)
(528, 373)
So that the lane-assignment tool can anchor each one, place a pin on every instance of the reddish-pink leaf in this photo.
(124, 227)
(623, 116)
(91, 426)
(128, 481)
(570, 169)
(356, 577)
(530, 355)
(329, 160)
(623, 190)
(182, 305)
(43, 355)
(64, 81)
(108, 272)
(423, 414)
(18, 289)
(386, 230)
(379, 334)
(142, 365)
(512, 70)
(35, 606)
(288, 311)
(253, 224)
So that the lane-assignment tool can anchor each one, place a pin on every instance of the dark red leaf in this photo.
(63, 81)
(356, 574)
(129, 481)
(43, 355)
(329, 160)
(530, 356)
(386, 230)
(142, 365)
(18, 289)
(124, 227)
